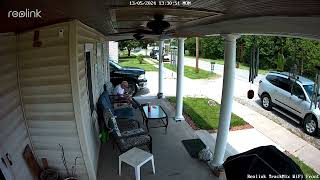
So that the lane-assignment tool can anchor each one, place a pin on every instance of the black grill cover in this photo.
(262, 163)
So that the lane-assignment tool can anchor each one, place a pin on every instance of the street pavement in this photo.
(241, 74)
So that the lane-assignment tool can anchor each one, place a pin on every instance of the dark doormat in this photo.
(193, 146)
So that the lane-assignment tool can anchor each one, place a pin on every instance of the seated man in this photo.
(120, 92)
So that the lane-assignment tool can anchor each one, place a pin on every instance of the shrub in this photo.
(140, 58)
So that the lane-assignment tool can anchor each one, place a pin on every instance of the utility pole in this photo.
(197, 54)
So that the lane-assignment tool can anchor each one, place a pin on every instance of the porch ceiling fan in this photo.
(157, 26)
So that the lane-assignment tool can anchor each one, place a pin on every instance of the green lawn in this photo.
(133, 62)
(221, 61)
(203, 115)
(123, 53)
(306, 169)
(190, 72)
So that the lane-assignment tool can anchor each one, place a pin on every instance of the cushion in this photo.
(134, 141)
(132, 132)
(107, 115)
(108, 87)
(124, 112)
(104, 100)
(127, 124)
(114, 127)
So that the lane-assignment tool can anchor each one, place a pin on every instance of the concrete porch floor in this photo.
(172, 161)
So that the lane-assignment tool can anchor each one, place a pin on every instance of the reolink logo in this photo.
(27, 13)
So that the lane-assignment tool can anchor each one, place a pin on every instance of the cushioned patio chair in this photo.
(124, 124)
(105, 102)
(115, 98)
(127, 139)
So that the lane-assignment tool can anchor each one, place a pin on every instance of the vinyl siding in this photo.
(54, 96)
(87, 35)
(47, 96)
(13, 131)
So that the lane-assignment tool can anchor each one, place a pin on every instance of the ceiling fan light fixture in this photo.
(138, 36)
(158, 25)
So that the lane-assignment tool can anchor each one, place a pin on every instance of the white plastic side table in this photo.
(136, 157)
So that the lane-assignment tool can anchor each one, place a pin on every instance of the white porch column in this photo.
(180, 77)
(160, 91)
(227, 96)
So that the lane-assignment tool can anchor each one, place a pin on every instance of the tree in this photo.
(144, 44)
(280, 61)
(129, 45)
(274, 52)
(190, 45)
(197, 54)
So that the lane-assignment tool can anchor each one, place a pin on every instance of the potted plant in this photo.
(72, 175)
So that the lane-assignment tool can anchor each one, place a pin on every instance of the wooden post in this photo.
(197, 54)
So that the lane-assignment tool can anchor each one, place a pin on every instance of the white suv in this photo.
(290, 97)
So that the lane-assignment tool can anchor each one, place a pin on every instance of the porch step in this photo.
(210, 140)
(238, 141)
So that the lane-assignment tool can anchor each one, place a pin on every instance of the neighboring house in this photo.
(48, 96)
(113, 51)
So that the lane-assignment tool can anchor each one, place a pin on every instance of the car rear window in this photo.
(271, 78)
(280, 82)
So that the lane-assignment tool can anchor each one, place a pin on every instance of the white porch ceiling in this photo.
(202, 17)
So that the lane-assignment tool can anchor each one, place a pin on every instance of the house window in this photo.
(89, 78)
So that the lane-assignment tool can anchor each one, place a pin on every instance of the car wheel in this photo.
(132, 89)
(310, 125)
(266, 102)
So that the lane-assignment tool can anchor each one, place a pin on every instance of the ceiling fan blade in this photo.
(121, 33)
(123, 40)
(138, 31)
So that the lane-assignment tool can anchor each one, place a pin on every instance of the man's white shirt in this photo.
(118, 90)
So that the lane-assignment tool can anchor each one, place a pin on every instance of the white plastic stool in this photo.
(136, 157)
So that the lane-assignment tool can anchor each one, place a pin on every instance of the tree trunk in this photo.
(129, 52)
(301, 67)
(197, 54)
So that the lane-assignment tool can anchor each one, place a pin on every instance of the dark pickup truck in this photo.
(135, 77)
